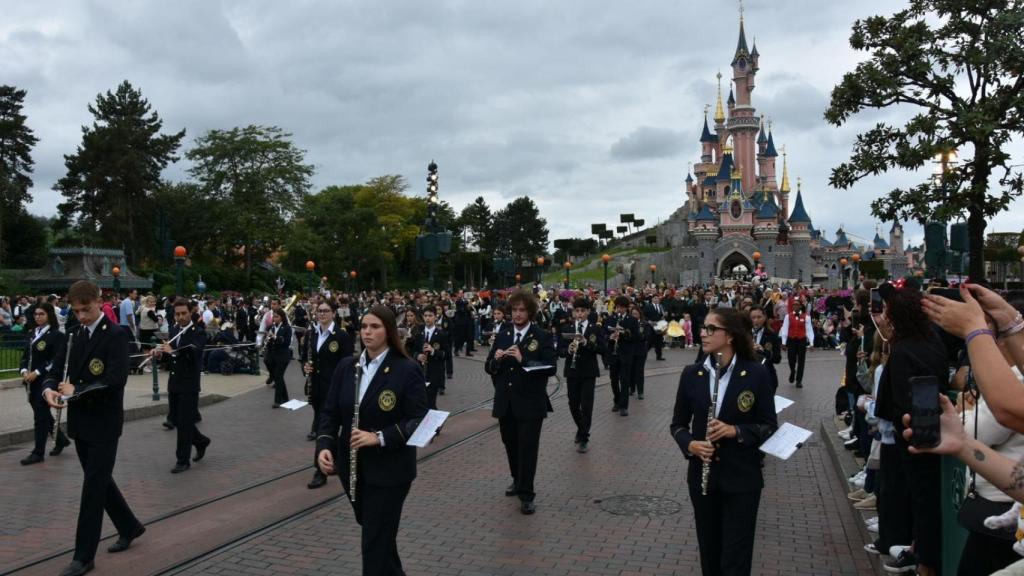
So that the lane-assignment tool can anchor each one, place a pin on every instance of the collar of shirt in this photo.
(39, 333)
(723, 381)
(323, 335)
(758, 332)
(369, 370)
(92, 327)
(428, 333)
(582, 325)
(521, 333)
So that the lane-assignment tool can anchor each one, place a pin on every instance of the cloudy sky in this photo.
(592, 108)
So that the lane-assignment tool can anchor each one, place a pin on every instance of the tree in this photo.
(16, 143)
(959, 64)
(116, 169)
(260, 174)
(197, 221)
(476, 219)
(26, 245)
(521, 224)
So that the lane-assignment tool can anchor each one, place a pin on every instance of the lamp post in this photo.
(842, 270)
(117, 279)
(856, 269)
(604, 259)
(352, 276)
(310, 267)
(519, 278)
(568, 266)
(435, 240)
(540, 265)
(757, 259)
(654, 268)
(179, 264)
(201, 286)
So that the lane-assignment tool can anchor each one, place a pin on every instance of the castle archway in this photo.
(735, 265)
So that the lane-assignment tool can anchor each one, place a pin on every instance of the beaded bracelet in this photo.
(977, 333)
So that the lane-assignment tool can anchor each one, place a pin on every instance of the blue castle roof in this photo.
(705, 215)
(706, 135)
(799, 214)
(725, 169)
(880, 243)
(771, 147)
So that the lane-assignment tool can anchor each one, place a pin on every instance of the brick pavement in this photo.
(251, 444)
(457, 521)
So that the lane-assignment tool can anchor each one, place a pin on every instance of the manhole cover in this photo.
(638, 505)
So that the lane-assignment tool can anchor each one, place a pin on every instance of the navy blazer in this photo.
(337, 346)
(98, 369)
(187, 360)
(748, 403)
(435, 370)
(39, 355)
(394, 404)
(771, 354)
(281, 346)
(516, 391)
(586, 354)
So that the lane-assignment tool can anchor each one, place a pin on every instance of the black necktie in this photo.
(518, 337)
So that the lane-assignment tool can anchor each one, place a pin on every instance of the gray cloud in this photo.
(532, 97)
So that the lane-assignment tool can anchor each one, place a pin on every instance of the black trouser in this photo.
(921, 470)
(796, 353)
(522, 443)
(280, 388)
(658, 342)
(983, 554)
(42, 419)
(894, 528)
(187, 405)
(432, 391)
(99, 494)
(172, 408)
(380, 525)
(636, 380)
(464, 338)
(726, 523)
(581, 405)
(621, 374)
(268, 361)
(449, 364)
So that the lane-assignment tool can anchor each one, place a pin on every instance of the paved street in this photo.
(456, 519)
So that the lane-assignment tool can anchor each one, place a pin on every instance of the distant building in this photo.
(65, 266)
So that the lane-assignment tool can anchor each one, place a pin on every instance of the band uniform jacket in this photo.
(630, 338)
(281, 347)
(336, 347)
(187, 360)
(591, 346)
(434, 371)
(522, 393)
(98, 369)
(771, 353)
(42, 355)
(747, 403)
(394, 403)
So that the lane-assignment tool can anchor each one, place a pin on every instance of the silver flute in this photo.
(575, 347)
(353, 452)
(705, 472)
(67, 379)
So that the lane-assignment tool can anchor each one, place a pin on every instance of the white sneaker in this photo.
(870, 521)
(845, 434)
(873, 528)
(895, 551)
(859, 476)
(859, 482)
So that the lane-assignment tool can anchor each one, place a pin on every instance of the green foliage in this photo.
(260, 176)
(114, 172)
(25, 239)
(959, 64)
(16, 143)
(477, 219)
(521, 223)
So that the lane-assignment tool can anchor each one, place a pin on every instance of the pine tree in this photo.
(16, 143)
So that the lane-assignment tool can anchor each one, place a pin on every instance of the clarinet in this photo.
(575, 347)
(705, 473)
(353, 453)
(309, 360)
(67, 362)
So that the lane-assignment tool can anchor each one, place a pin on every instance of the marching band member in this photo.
(766, 344)
(97, 370)
(582, 346)
(719, 432)
(325, 348)
(520, 398)
(279, 353)
(623, 331)
(44, 348)
(391, 399)
(431, 347)
(645, 335)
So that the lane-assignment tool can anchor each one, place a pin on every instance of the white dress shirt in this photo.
(723, 381)
(369, 371)
(323, 335)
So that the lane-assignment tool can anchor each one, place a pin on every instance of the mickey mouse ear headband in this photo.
(890, 289)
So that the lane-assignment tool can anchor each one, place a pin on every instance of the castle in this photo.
(736, 209)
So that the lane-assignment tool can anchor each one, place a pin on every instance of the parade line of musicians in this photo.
(724, 408)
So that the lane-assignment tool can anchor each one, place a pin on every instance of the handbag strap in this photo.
(970, 388)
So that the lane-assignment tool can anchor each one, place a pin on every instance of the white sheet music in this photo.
(294, 404)
(427, 428)
(782, 403)
(535, 368)
(785, 441)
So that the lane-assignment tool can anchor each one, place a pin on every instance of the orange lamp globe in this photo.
(568, 264)
(843, 261)
(756, 255)
(353, 274)
(855, 258)
(518, 277)
(116, 271)
(654, 267)
(540, 261)
(310, 265)
(179, 252)
(605, 258)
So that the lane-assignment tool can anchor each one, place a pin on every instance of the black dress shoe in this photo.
(311, 436)
(77, 568)
(640, 396)
(582, 448)
(318, 480)
(469, 354)
(123, 542)
(623, 412)
(275, 405)
(201, 450)
(441, 391)
(527, 507)
(799, 384)
(179, 468)
(661, 359)
(791, 378)
(167, 424)
(61, 444)
(615, 408)
(32, 458)
(512, 490)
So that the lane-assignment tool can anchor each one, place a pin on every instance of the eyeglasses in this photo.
(324, 310)
(710, 329)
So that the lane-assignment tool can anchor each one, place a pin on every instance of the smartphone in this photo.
(925, 411)
(876, 301)
(951, 293)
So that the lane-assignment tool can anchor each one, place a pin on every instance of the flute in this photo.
(67, 379)
(171, 341)
(353, 452)
(705, 472)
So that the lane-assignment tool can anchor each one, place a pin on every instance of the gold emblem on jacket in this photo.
(333, 347)
(746, 401)
(533, 345)
(41, 345)
(96, 367)
(387, 400)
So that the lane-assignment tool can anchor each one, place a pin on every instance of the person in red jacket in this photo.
(797, 334)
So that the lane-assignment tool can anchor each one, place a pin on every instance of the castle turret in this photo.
(707, 142)
(743, 124)
(800, 238)
(766, 161)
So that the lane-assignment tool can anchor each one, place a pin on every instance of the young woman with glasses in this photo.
(326, 345)
(725, 436)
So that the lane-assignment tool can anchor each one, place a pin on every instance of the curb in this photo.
(846, 465)
(11, 383)
(10, 439)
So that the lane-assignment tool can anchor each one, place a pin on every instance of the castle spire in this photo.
(705, 135)
(719, 112)
(741, 44)
(761, 136)
(785, 173)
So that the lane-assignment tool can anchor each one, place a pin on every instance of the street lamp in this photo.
(310, 267)
(842, 270)
(519, 278)
(117, 280)
(540, 265)
(856, 269)
(179, 264)
(568, 266)
(654, 268)
(201, 286)
(352, 276)
(605, 258)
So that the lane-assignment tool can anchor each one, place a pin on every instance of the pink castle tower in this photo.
(743, 124)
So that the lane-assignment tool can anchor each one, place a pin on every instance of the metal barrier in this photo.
(12, 346)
